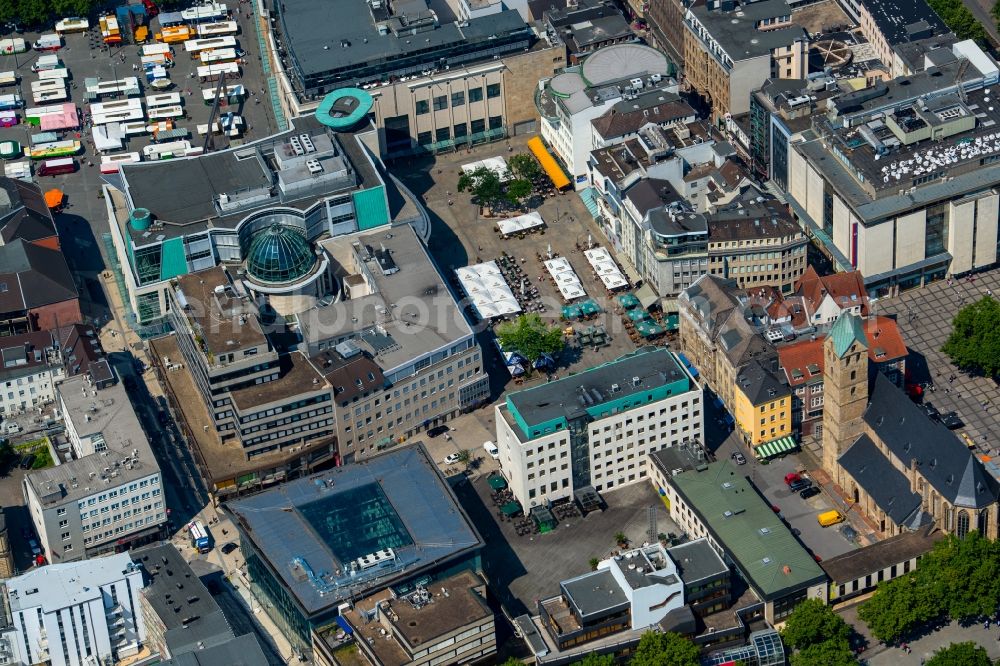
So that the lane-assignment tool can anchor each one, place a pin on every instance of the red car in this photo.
(791, 478)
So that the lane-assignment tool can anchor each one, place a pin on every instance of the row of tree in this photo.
(490, 188)
(959, 19)
(958, 580)
(32, 13)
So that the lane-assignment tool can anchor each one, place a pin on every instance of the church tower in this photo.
(845, 388)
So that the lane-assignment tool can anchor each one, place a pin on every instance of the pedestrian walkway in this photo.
(274, 91)
(922, 649)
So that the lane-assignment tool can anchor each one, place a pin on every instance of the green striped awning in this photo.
(775, 447)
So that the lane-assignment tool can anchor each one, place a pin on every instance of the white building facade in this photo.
(78, 614)
(596, 428)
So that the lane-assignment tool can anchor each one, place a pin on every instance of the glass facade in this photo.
(936, 234)
(279, 255)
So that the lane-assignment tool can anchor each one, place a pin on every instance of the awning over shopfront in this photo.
(549, 164)
(775, 447)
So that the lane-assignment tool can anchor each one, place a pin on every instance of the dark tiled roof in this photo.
(651, 193)
(886, 485)
(349, 377)
(629, 116)
(861, 562)
(764, 220)
(759, 384)
(23, 213)
(32, 276)
(947, 464)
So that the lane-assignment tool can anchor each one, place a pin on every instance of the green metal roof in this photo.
(742, 522)
(847, 330)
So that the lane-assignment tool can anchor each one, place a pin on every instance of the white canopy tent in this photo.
(108, 137)
(606, 268)
(488, 290)
(497, 164)
(566, 279)
(520, 223)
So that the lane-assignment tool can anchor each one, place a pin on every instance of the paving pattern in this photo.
(924, 317)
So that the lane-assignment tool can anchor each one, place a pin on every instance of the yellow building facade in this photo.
(763, 406)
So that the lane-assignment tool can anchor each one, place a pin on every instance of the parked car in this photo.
(739, 458)
(801, 484)
(27, 461)
(791, 478)
(228, 548)
(951, 421)
(932, 411)
(849, 532)
(492, 449)
(451, 459)
(811, 491)
(437, 430)
(35, 549)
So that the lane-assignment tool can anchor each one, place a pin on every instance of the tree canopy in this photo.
(483, 184)
(518, 190)
(530, 337)
(596, 660)
(974, 343)
(834, 652)
(665, 649)
(958, 17)
(813, 622)
(524, 166)
(958, 579)
(961, 654)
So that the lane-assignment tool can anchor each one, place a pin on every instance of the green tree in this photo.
(594, 659)
(958, 17)
(32, 12)
(897, 606)
(834, 652)
(974, 343)
(813, 622)
(518, 190)
(961, 654)
(525, 166)
(665, 649)
(483, 184)
(529, 336)
(465, 457)
(511, 661)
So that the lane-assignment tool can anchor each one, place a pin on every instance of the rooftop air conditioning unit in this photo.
(314, 167)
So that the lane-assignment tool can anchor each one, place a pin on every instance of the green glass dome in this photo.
(278, 255)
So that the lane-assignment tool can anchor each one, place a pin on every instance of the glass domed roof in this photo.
(279, 254)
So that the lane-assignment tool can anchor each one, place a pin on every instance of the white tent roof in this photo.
(497, 164)
(488, 290)
(566, 279)
(520, 223)
(606, 268)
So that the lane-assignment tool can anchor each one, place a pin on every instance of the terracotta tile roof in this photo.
(803, 361)
(813, 287)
